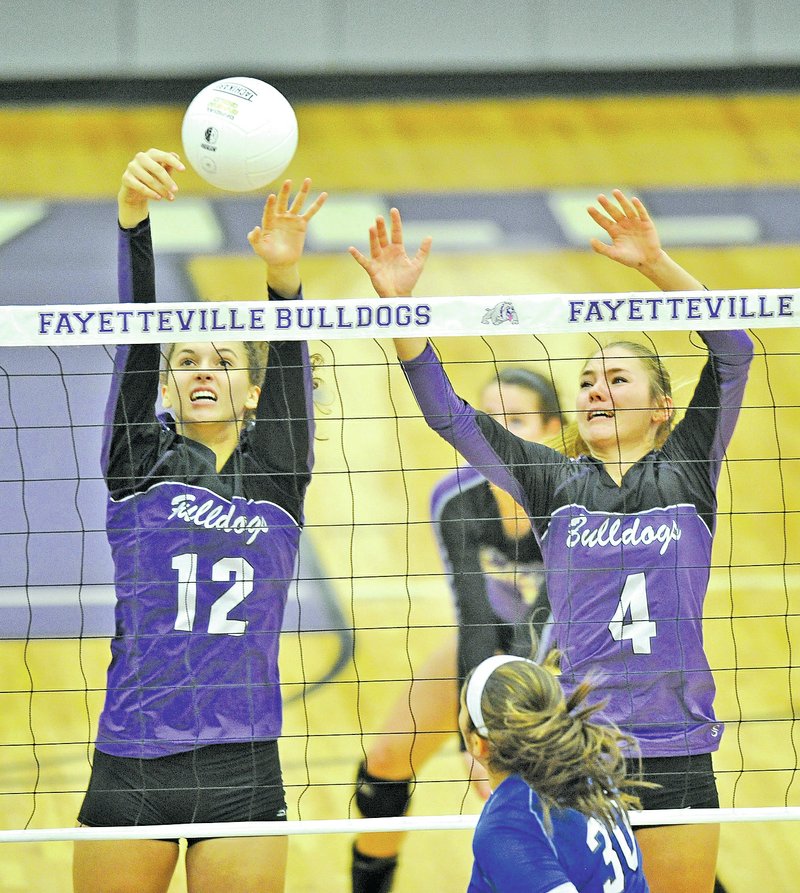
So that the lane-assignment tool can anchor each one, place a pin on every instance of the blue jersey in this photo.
(627, 566)
(514, 853)
(203, 558)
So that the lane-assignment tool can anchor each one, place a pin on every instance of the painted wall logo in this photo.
(502, 312)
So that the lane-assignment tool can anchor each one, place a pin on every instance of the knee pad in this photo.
(378, 798)
(370, 875)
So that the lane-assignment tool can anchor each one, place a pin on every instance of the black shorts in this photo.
(685, 782)
(216, 783)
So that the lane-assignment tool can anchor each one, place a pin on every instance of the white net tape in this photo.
(363, 826)
(398, 317)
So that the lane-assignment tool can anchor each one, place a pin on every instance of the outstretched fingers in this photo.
(602, 220)
(613, 211)
(375, 241)
(601, 247)
(381, 232)
(634, 240)
(383, 236)
(277, 204)
(360, 258)
(318, 202)
(397, 226)
(270, 209)
(424, 250)
(616, 215)
(629, 207)
(282, 198)
(632, 208)
(640, 209)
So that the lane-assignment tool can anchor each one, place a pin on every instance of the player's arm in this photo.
(527, 471)
(707, 427)
(635, 243)
(283, 437)
(130, 422)
(392, 272)
(459, 550)
(715, 405)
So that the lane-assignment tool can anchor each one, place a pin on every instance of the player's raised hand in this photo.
(635, 242)
(280, 239)
(147, 177)
(392, 271)
(634, 239)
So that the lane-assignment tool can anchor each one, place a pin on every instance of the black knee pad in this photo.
(371, 875)
(378, 798)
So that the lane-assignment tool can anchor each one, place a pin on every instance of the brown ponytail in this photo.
(553, 743)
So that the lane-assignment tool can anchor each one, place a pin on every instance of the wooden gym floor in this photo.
(384, 572)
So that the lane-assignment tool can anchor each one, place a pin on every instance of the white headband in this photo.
(477, 683)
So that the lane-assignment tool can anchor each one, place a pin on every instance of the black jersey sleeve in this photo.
(131, 429)
(528, 471)
(282, 436)
(478, 625)
(701, 438)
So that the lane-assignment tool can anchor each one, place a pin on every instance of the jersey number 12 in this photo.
(236, 571)
(633, 602)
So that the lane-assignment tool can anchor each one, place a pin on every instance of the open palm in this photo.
(281, 237)
(634, 239)
(392, 271)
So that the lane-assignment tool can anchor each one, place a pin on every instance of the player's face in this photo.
(209, 383)
(518, 409)
(615, 404)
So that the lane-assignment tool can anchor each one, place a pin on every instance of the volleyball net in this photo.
(371, 603)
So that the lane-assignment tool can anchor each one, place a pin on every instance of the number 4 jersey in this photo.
(203, 559)
(627, 567)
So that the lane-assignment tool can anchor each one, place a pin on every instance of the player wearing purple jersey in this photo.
(204, 517)
(494, 568)
(556, 820)
(626, 528)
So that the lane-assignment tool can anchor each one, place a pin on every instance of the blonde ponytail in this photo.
(553, 742)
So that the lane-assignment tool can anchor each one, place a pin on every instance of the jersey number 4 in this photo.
(236, 571)
(633, 603)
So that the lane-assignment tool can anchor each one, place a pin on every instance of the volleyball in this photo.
(239, 133)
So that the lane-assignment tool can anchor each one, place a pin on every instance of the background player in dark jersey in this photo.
(626, 529)
(495, 572)
(556, 821)
(204, 517)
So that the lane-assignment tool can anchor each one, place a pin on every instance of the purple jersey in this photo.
(628, 566)
(203, 559)
(515, 853)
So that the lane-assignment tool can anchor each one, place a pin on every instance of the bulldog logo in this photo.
(502, 312)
